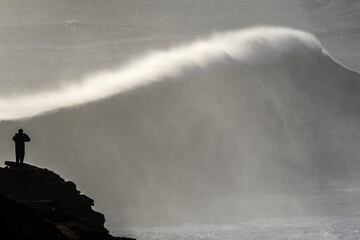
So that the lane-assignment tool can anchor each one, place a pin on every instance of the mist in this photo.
(206, 137)
(240, 45)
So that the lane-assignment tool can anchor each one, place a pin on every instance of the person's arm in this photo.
(14, 137)
(27, 138)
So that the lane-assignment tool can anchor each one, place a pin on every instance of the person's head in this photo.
(20, 130)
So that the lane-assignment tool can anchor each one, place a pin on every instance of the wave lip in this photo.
(251, 46)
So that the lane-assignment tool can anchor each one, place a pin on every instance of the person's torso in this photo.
(20, 138)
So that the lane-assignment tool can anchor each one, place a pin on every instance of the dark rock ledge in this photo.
(38, 204)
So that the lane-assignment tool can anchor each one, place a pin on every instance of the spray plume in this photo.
(160, 65)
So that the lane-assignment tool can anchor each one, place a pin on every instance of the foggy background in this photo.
(214, 144)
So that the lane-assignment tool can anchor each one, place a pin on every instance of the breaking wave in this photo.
(251, 46)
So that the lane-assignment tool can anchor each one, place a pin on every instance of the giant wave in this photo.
(251, 46)
(263, 110)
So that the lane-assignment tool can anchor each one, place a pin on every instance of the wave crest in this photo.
(252, 46)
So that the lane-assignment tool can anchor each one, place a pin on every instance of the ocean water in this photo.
(334, 215)
(308, 228)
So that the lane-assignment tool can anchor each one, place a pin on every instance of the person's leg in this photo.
(17, 159)
(22, 158)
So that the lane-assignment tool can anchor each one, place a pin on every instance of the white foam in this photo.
(241, 45)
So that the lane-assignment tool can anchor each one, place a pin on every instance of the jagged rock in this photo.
(37, 203)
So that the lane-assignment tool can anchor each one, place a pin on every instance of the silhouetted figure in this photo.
(20, 138)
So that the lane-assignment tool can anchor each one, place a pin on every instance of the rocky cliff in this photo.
(37, 203)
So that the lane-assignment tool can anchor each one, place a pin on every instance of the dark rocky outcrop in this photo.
(37, 203)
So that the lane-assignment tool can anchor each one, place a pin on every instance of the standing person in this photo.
(20, 138)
